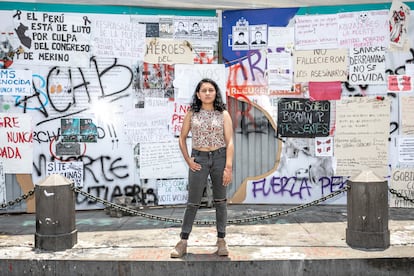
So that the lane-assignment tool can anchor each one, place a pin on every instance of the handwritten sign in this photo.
(16, 143)
(283, 37)
(303, 118)
(172, 191)
(187, 77)
(148, 125)
(167, 51)
(70, 170)
(316, 32)
(321, 65)
(162, 160)
(53, 38)
(280, 71)
(402, 180)
(15, 82)
(367, 65)
(363, 29)
(361, 136)
(177, 120)
(120, 39)
(407, 115)
(405, 149)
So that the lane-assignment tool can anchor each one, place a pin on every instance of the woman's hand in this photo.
(193, 165)
(227, 176)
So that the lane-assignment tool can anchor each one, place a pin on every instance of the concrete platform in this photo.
(307, 242)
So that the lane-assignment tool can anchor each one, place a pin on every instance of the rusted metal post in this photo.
(367, 206)
(55, 214)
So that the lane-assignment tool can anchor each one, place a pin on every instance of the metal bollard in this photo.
(55, 214)
(367, 206)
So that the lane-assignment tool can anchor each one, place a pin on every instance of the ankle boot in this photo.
(179, 250)
(222, 249)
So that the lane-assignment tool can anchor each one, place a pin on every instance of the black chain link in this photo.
(207, 222)
(398, 194)
(18, 200)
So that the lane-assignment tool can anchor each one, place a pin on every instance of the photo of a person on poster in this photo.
(258, 38)
(181, 29)
(240, 39)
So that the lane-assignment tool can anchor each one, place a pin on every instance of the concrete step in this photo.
(307, 242)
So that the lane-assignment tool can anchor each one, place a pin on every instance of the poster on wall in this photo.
(280, 71)
(162, 160)
(88, 131)
(406, 114)
(258, 36)
(402, 180)
(246, 64)
(316, 32)
(363, 29)
(113, 37)
(322, 65)
(167, 51)
(146, 125)
(240, 38)
(70, 129)
(16, 142)
(367, 65)
(399, 23)
(50, 38)
(188, 76)
(172, 191)
(361, 136)
(15, 82)
(303, 118)
(70, 170)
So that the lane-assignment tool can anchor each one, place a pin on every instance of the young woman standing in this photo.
(211, 155)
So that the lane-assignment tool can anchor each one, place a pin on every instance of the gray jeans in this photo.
(212, 163)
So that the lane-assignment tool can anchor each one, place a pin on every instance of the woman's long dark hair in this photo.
(218, 101)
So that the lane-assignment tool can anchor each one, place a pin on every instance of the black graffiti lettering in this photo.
(411, 60)
(45, 136)
(55, 72)
(107, 193)
(36, 96)
(97, 191)
(113, 168)
(394, 127)
(40, 168)
(101, 75)
(151, 193)
(131, 190)
(116, 192)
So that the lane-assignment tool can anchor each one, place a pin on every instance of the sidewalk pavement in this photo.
(311, 241)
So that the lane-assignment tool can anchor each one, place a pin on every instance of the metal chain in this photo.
(207, 222)
(19, 199)
(122, 208)
(398, 194)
